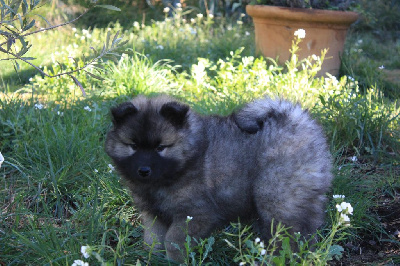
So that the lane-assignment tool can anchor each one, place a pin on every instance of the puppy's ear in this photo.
(175, 112)
(122, 111)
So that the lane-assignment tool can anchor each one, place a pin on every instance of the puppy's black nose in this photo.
(144, 171)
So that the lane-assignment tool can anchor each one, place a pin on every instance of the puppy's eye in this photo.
(160, 148)
(134, 146)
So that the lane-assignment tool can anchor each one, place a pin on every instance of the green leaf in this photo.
(30, 25)
(48, 23)
(110, 7)
(114, 39)
(335, 252)
(16, 66)
(24, 8)
(108, 39)
(94, 76)
(210, 243)
(78, 84)
(10, 41)
(21, 22)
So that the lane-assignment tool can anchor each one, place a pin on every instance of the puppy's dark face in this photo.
(147, 141)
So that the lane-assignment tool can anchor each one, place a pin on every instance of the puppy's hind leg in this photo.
(299, 209)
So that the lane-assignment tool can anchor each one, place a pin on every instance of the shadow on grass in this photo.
(14, 81)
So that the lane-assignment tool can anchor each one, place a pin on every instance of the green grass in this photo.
(58, 192)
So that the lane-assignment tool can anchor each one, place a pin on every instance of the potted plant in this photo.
(275, 22)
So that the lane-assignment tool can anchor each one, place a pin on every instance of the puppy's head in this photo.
(148, 139)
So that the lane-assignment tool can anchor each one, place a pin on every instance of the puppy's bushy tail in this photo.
(252, 117)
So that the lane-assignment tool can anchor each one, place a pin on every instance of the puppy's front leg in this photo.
(154, 231)
(197, 227)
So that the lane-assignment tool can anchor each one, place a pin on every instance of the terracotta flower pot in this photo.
(275, 27)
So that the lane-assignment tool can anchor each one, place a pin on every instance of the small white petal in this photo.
(1, 159)
(85, 251)
(300, 33)
(338, 196)
(79, 263)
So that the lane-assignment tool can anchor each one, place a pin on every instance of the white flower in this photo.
(381, 67)
(192, 20)
(166, 9)
(79, 263)
(189, 218)
(262, 244)
(199, 15)
(354, 159)
(344, 218)
(315, 57)
(60, 113)
(257, 240)
(85, 250)
(1, 159)
(160, 47)
(350, 78)
(96, 171)
(345, 208)
(39, 106)
(239, 22)
(210, 15)
(300, 33)
(338, 196)
(178, 5)
(242, 15)
(111, 168)
(247, 33)
(87, 108)
(263, 251)
(242, 263)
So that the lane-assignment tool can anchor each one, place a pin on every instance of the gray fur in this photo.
(268, 160)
